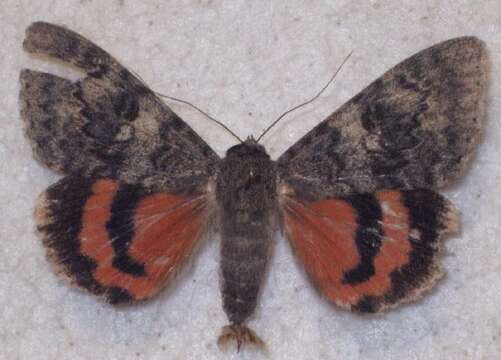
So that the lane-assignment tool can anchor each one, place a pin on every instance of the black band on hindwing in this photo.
(121, 228)
(368, 237)
(63, 239)
(426, 210)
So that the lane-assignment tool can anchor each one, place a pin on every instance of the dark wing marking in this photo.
(107, 124)
(370, 252)
(120, 241)
(415, 127)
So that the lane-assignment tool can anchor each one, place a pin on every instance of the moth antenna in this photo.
(202, 112)
(331, 80)
(194, 107)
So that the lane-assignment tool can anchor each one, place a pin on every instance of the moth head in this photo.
(248, 148)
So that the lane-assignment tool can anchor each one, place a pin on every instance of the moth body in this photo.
(246, 194)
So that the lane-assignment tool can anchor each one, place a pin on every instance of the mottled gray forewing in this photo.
(107, 124)
(414, 127)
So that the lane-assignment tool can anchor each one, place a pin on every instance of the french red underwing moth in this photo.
(356, 196)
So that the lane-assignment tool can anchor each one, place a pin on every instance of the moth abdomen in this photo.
(243, 263)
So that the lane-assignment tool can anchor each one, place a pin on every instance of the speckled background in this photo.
(245, 62)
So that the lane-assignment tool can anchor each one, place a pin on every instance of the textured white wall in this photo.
(245, 62)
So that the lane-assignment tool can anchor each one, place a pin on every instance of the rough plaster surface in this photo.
(245, 62)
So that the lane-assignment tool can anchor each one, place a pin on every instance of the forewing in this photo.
(117, 240)
(415, 127)
(107, 124)
(370, 252)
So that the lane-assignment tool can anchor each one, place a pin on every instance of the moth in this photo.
(356, 196)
